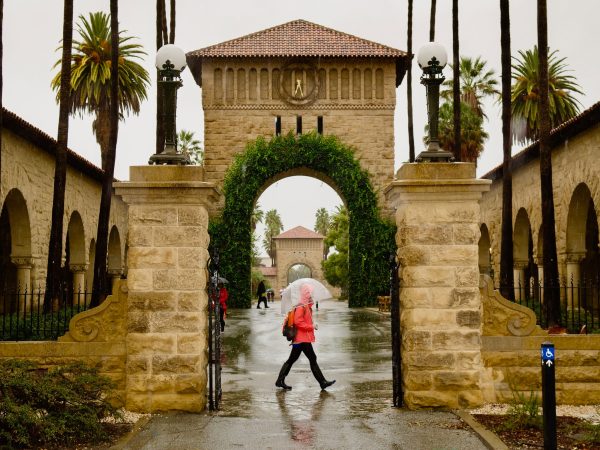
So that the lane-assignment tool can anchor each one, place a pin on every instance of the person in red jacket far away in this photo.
(223, 296)
(305, 336)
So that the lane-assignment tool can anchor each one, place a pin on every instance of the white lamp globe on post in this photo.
(170, 62)
(432, 58)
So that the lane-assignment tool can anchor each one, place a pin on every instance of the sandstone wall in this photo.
(28, 168)
(359, 121)
(575, 161)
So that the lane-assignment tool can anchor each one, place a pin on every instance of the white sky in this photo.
(33, 29)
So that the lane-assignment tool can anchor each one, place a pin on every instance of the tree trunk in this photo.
(411, 132)
(160, 130)
(101, 285)
(53, 272)
(432, 22)
(1, 105)
(550, 262)
(506, 245)
(456, 87)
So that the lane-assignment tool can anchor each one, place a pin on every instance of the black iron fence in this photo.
(24, 317)
(579, 303)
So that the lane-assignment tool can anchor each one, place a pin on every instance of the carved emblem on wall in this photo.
(299, 83)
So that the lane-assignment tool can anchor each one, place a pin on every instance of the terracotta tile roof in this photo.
(584, 121)
(299, 233)
(298, 38)
(42, 140)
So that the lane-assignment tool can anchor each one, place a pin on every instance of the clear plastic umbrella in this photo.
(291, 294)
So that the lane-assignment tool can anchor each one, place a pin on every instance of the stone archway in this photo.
(76, 256)
(485, 256)
(298, 270)
(115, 264)
(16, 224)
(326, 158)
(522, 254)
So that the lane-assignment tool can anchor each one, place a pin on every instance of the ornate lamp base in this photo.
(169, 158)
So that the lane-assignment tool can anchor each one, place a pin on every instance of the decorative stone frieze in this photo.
(437, 215)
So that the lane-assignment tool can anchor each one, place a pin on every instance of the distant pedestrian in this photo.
(261, 293)
(223, 296)
(305, 336)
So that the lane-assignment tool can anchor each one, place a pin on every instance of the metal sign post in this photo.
(549, 395)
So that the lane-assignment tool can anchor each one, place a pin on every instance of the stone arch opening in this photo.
(115, 260)
(297, 271)
(323, 157)
(75, 258)
(525, 271)
(15, 229)
(485, 252)
(577, 220)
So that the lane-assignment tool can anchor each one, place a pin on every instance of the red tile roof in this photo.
(299, 233)
(298, 38)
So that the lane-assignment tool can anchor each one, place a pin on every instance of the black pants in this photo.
(307, 349)
(262, 299)
(222, 319)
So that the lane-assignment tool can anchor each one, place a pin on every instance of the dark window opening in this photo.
(298, 124)
(278, 126)
(320, 124)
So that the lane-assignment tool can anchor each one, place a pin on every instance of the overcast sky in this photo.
(33, 29)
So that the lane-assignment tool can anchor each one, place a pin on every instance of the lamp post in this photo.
(432, 58)
(170, 61)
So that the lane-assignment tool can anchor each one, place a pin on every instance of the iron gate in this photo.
(396, 332)
(214, 335)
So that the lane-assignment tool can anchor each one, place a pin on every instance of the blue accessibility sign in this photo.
(547, 352)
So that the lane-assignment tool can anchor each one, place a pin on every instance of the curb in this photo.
(489, 439)
(124, 440)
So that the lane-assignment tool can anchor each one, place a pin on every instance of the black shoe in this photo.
(281, 384)
(266, 307)
(326, 384)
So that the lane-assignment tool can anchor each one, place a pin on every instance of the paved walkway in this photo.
(353, 347)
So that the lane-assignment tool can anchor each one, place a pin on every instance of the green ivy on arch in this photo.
(371, 238)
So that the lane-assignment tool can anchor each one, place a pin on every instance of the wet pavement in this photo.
(353, 347)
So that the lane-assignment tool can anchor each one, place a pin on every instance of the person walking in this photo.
(261, 293)
(302, 343)
(223, 296)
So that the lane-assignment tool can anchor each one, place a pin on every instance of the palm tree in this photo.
(257, 216)
(274, 227)
(190, 146)
(53, 273)
(411, 132)
(322, 224)
(551, 291)
(476, 83)
(526, 93)
(472, 135)
(90, 75)
(456, 75)
(432, 21)
(100, 286)
(506, 245)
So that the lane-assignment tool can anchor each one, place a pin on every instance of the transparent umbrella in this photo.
(291, 294)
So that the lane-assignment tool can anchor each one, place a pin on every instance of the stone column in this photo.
(115, 275)
(521, 284)
(573, 279)
(438, 215)
(23, 265)
(167, 304)
(79, 286)
(540, 267)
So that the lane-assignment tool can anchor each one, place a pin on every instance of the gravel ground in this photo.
(590, 413)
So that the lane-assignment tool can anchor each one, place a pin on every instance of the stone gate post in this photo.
(166, 313)
(438, 215)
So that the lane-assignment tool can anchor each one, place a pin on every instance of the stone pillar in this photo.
(23, 265)
(521, 284)
(167, 304)
(540, 268)
(438, 217)
(573, 279)
(115, 276)
(79, 286)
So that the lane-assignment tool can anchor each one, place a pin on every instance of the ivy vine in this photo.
(371, 238)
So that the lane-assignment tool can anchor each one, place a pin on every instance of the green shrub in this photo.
(61, 406)
(524, 411)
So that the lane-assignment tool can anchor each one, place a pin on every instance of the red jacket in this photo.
(223, 295)
(303, 317)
